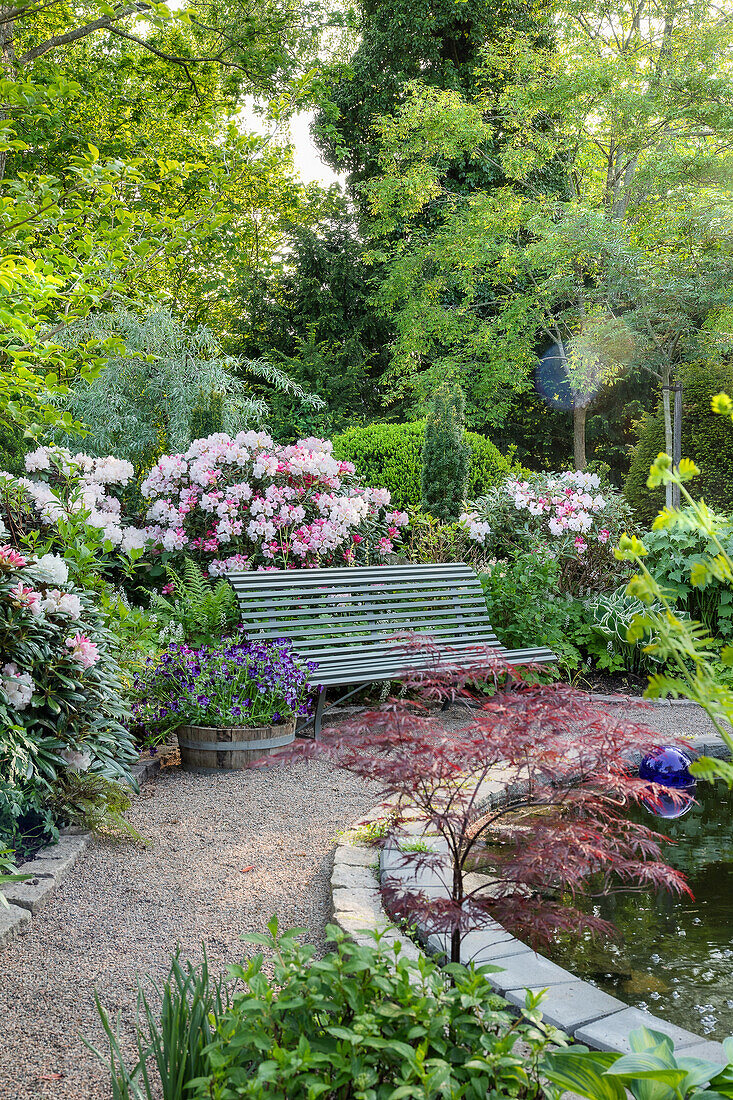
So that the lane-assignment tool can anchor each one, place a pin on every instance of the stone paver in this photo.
(612, 1032)
(569, 1005)
(13, 921)
(31, 894)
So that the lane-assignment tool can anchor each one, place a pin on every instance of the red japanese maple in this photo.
(559, 828)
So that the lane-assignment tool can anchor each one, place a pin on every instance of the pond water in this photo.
(676, 956)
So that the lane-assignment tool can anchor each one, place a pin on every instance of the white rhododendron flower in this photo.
(75, 760)
(60, 603)
(18, 686)
(51, 568)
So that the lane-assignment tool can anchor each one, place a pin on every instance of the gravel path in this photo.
(122, 910)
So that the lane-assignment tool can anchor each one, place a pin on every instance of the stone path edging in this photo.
(578, 1008)
(50, 866)
(47, 869)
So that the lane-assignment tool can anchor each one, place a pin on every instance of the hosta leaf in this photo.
(584, 1074)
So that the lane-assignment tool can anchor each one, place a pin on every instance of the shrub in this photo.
(70, 504)
(673, 552)
(361, 1022)
(61, 706)
(446, 456)
(571, 515)
(526, 607)
(390, 456)
(245, 502)
(705, 439)
(427, 540)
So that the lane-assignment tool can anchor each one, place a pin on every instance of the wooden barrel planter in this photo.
(230, 748)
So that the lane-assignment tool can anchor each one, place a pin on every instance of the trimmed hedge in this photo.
(706, 438)
(389, 456)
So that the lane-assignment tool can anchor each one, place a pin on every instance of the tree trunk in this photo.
(7, 70)
(677, 439)
(668, 441)
(579, 415)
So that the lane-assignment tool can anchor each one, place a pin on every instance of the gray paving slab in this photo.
(569, 1006)
(528, 970)
(612, 1032)
(32, 894)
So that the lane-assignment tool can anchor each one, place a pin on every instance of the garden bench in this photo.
(347, 620)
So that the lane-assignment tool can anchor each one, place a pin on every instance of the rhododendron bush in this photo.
(61, 705)
(71, 502)
(569, 516)
(246, 502)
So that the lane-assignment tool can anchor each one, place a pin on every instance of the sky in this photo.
(307, 158)
(308, 162)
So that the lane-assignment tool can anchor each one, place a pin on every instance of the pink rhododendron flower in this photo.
(21, 596)
(11, 559)
(246, 499)
(83, 650)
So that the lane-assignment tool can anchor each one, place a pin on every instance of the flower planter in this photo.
(230, 748)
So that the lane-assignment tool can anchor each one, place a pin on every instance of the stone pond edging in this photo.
(580, 1009)
(48, 868)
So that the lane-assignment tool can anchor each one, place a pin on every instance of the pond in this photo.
(676, 956)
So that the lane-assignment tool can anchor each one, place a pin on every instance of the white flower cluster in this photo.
(478, 529)
(17, 686)
(89, 478)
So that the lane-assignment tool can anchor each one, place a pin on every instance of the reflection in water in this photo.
(676, 956)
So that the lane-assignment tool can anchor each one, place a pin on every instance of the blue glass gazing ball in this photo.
(667, 766)
(670, 768)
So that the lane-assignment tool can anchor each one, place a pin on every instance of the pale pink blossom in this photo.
(83, 650)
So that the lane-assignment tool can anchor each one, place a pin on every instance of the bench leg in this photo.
(318, 716)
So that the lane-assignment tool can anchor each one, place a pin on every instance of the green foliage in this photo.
(608, 618)
(446, 455)
(399, 41)
(526, 607)
(652, 1071)
(175, 1028)
(428, 540)
(361, 1021)
(143, 401)
(94, 803)
(675, 553)
(596, 207)
(26, 821)
(707, 440)
(315, 318)
(207, 415)
(8, 874)
(200, 611)
(61, 699)
(389, 456)
(689, 656)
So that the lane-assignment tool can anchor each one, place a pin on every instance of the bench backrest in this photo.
(331, 612)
